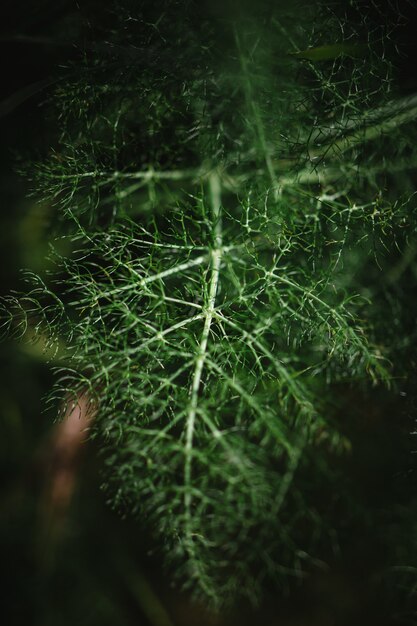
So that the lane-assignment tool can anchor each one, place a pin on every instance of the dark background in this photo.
(83, 564)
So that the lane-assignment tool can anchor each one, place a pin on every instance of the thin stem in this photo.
(216, 256)
(250, 99)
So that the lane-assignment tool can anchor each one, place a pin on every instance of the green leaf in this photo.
(332, 51)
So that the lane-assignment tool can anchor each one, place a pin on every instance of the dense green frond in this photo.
(212, 296)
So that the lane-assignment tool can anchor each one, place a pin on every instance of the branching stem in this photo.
(216, 256)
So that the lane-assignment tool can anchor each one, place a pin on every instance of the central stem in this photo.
(215, 262)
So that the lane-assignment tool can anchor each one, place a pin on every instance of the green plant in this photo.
(224, 216)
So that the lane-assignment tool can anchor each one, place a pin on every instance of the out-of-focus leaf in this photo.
(332, 51)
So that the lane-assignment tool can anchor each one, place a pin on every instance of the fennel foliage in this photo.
(220, 177)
